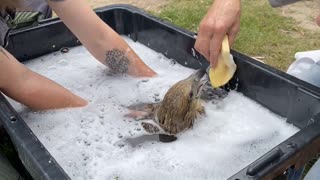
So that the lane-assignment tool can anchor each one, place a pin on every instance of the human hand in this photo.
(222, 18)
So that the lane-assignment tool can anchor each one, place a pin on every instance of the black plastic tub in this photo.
(279, 92)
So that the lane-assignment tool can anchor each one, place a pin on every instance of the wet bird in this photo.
(178, 110)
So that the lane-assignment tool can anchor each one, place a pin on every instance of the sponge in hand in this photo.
(225, 67)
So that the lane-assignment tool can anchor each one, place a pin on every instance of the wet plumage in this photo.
(178, 110)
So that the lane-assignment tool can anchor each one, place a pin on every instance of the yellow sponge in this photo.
(225, 67)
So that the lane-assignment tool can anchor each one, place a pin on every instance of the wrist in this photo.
(120, 58)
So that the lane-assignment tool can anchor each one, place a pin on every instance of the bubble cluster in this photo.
(90, 142)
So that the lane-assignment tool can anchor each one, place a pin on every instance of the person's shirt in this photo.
(4, 27)
(31, 12)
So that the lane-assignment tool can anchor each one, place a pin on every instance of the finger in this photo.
(205, 34)
(233, 32)
(202, 46)
(318, 20)
(215, 46)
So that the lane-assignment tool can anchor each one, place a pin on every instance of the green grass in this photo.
(310, 164)
(263, 32)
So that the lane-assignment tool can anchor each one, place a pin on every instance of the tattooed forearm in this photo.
(117, 61)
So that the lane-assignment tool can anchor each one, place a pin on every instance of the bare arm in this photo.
(100, 40)
(32, 89)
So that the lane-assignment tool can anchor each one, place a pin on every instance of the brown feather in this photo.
(178, 109)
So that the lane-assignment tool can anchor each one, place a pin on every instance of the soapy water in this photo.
(91, 142)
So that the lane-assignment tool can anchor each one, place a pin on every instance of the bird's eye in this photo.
(190, 94)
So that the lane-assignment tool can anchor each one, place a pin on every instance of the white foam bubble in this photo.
(88, 142)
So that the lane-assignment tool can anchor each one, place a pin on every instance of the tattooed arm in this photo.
(32, 89)
(100, 40)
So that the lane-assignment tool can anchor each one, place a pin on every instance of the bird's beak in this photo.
(197, 76)
(198, 81)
